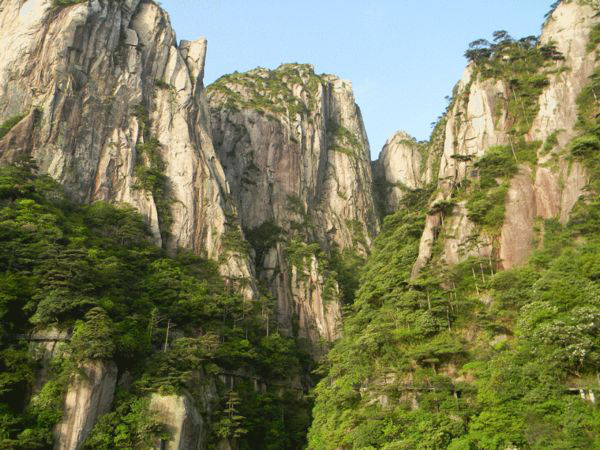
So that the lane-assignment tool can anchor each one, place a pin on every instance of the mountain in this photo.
(475, 322)
(106, 97)
(296, 156)
(257, 196)
(180, 264)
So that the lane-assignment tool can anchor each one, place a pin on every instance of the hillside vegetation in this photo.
(94, 270)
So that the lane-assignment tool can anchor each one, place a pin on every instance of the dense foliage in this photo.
(269, 91)
(93, 272)
(464, 357)
(467, 359)
(524, 65)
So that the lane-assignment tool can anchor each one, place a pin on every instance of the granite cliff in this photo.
(113, 107)
(296, 156)
(461, 332)
(102, 97)
(493, 107)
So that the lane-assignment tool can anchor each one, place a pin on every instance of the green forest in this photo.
(466, 357)
(94, 270)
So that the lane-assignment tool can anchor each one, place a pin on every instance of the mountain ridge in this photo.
(177, 260)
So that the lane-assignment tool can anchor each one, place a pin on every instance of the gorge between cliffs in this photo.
(191, 267)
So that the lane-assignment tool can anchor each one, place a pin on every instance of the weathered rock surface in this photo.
(517, 235)
(44, 345)
(558, 182)
(103, 84)
(318, 312)
(88, 397)
(402, 164)
(479, 120)
(568, 28)
(458, 240)
(296, 155)
(105, 92)
(471, 127)
(181, 420)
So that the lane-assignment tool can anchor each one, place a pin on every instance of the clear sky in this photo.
(402, 56)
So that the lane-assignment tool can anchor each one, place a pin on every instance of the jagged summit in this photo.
(265, 173)
(402, 165)
(296, 156)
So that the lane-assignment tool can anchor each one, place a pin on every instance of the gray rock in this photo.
(181, 420)
(402, 164)
(131, 38)
(85, 78)
(88, 397)
(296, 155)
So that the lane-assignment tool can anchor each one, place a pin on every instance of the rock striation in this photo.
(296, 156)
(480, 118)
(103, 98)
(89, 396)
(470, 127)
(557, 183)
(269, 172)
(403, 164)
(114, 108)
(182, 421)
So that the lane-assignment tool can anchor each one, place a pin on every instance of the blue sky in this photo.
(402, 56)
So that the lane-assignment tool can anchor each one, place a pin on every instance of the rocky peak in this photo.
(296, 155)
(194, 54)
(528, 114)
(318, 137)
(292, 142)
(519, 155)
(111, 106)
(402, 165)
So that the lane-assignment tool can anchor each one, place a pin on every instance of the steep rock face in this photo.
(557, 183)
(402, 164)
(296, 155)
(479, 119)
(473, 126)
(115, 110)
(44, 345)
(458, 238)
(181, 420)
(187, 417)
(89, 396)
(568, 28)
(503, 170)
(318, 310)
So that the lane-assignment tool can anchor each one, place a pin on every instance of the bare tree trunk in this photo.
(167, 336)
(512, 147)
(475, 278)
